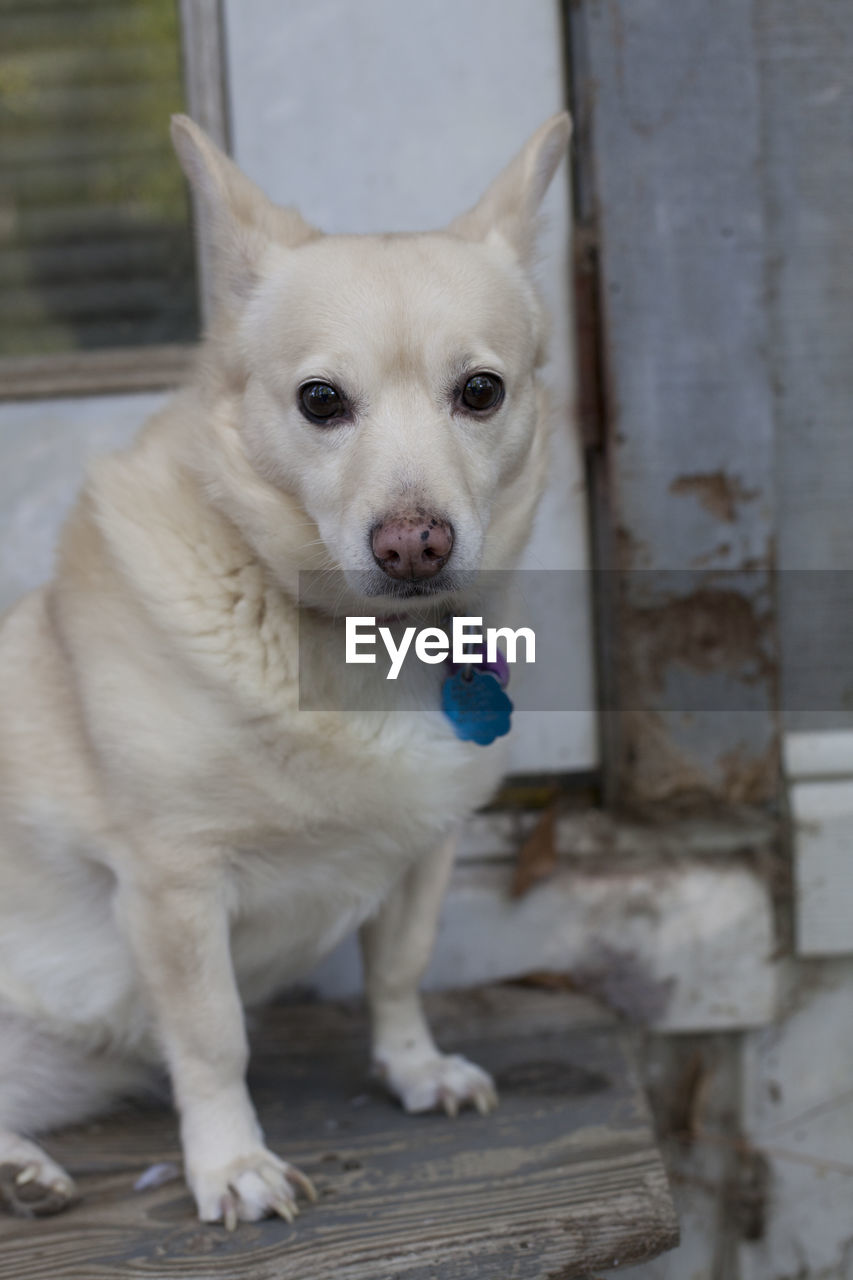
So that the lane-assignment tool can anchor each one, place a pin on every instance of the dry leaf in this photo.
(537, 859)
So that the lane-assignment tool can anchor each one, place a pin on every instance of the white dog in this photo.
(178, 839)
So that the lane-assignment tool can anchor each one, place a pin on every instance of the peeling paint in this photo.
(717, 491)
(659, 771)
(656, 772)
(712, 629)
(721, 552)
(750, 779)
(631, 552)
(686, 658)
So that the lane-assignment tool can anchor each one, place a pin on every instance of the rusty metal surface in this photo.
(670, 98)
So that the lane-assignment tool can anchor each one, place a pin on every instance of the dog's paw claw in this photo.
(449, 1102)
(255, 1187)
(286, 1209)
(304, 1183)
(445, 1082)
(228, 1212)
(485, 1100)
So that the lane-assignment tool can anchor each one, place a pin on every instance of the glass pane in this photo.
(95, 242)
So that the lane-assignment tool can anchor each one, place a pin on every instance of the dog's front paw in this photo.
(438, 1081)
(251, 1187)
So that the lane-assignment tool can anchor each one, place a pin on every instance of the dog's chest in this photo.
(349, 821)
(401, 779)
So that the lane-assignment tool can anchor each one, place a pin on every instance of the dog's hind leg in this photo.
(47, 1081)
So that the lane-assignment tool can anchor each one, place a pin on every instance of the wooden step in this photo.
(563, 1179)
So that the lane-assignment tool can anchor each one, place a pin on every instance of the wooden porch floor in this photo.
(564, 1179)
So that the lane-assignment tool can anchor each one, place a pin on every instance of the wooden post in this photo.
(669, 169)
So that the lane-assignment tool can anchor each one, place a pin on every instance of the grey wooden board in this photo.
(670, 115)
(805, 49)
(822, 817)
(672, 942)
(562, 1180)
(677, 145)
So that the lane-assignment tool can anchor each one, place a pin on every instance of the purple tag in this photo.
(499, 668)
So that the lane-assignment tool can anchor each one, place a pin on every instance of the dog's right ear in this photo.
(233, 215)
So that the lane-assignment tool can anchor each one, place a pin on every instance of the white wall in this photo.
(45, 446)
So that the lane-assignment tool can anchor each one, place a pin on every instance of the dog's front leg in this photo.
(396, 946)
(178, 929)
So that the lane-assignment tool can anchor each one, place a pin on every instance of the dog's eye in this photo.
(320, 401)
(482, 392)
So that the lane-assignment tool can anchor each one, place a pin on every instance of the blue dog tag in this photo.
(476, 706)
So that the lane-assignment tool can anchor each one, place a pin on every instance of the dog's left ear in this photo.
(510, 205)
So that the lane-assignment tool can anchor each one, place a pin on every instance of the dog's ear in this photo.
(234, 216)
(510, 205)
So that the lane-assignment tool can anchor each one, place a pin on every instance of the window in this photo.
(98, 285)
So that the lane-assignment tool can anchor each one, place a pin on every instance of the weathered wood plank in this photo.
(564, 1178)
(84, 373)
(598, 833)
(822, 813)
(819, 769)
(805, 48)
(674, 942)
(669, 100)
(817, 755)
(204, 78)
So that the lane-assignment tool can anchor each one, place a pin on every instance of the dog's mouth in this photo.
(377, 586)
(412, 590)
(370, 591)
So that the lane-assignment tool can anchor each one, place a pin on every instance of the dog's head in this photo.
(376, 406)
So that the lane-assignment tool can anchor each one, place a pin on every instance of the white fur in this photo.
(177, 838)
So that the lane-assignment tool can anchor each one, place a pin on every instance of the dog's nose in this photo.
(412, 547)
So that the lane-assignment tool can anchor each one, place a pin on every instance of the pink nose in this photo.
(412, 546)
